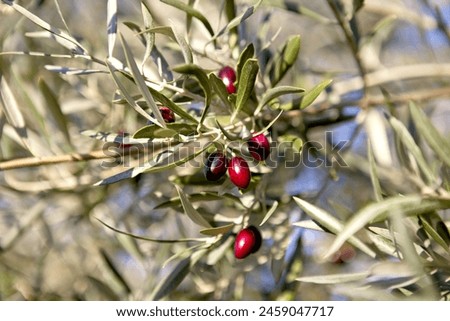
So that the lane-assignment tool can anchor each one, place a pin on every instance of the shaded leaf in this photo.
(55, 108)
(73, 71)
(219, 88)
(137, 237)
(58, 35)
(191, 12)
(198, 197)
(237, 20)
(200, 74)
(440, 238)
(190, 211)
(172, 280)
(165, 101)
(309, 97)
(172, 130)
(246, 83)
(293, 141)
(214, 231)
(115, 271)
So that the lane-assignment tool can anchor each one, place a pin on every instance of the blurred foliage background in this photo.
(380, 54)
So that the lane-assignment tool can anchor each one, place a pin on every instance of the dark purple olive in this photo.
(216, 166)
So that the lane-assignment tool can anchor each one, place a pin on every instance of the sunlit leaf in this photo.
(58, 35)
(408, 141)
(247, 82)
(246, 54)
(276, 92)
(149, 37)
(332, 224)
(140, 82)
(269, 213)
(284, 60)
(408, 205)
(111, 20)
(428, 131)
(309, 97)
(184, 46)
(334, 278)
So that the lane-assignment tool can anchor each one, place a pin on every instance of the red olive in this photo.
(247, 241)
(259, 147)
(228, 76)
(239, 172)
(167, 114)
(216, 166)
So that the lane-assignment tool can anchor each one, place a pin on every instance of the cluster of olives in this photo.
(249, 239)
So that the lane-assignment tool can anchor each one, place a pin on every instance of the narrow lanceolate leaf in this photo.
(73, 71)
(172, 130)
(149, 37)
(127, 95)
(140, 82)
(60, 36)
(214, 231)
(219, 88)
(408, 141)
(284, 60)
(53, 105)
(238, 20)
(407, 205)
(182, 42)
(200, 74)
(332, 224)
(143, 238)
(191, 12)
(269, 213)
(334, 278)
(246, 85)
(276, 92)
(177, 275)
(245, 55)
(172, 280)
(171, 105)
(190, 211)
(11, 107)
(311, 95)
(428, 131)
(111, 25)
(373, 174)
